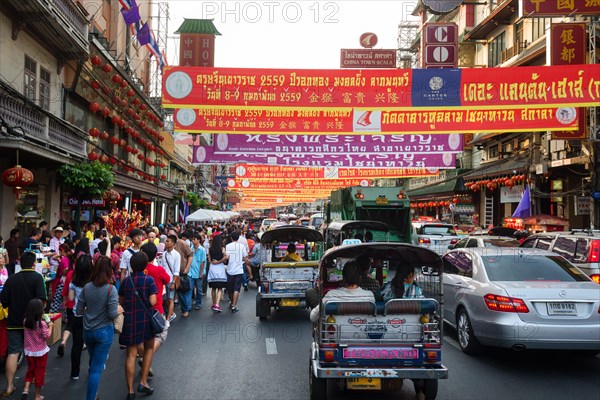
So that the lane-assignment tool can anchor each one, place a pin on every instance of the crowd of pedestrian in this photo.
(100, 279)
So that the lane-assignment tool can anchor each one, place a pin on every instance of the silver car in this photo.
(485, 241)
(521, 299)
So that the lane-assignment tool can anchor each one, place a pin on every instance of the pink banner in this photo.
(205, 155)
(224, 143)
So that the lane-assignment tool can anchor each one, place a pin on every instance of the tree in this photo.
(87, 178)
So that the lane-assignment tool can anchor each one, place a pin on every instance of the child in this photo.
(37, 330)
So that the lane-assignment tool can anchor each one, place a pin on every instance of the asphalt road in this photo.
(235, 356)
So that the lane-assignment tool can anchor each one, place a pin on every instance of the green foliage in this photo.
(92, 178)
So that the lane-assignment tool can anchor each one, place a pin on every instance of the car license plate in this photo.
(363, 383)
(561, 308)
(290, 302)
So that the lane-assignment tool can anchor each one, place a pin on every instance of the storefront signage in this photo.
(583, 205)
(336, 144)
(558, 8)
(361, 121)
(196, 50)
(568, 44)
(440, 44)
(511, 194)
(376, 89)
(279, 172)
(368, 58)
(72, 201)
(205, 155)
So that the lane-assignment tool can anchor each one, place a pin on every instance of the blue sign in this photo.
(596, 195)
(435, 87)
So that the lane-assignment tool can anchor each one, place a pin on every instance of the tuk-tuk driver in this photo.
(291, 255)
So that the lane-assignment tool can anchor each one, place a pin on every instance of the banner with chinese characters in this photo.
(282, 172)
(558, 8)
(298, 184)
(360, 121)
(568, 43)
(381, 89)
(336, 144)
(205, 155)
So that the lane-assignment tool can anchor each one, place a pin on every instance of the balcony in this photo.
(509, 53)
(39, 127)
(60, 24)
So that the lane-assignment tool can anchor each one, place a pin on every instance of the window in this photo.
(529, 268)
(544, 242)
(538, 28)
(529, 243)
(492, 152)
(519, 34)
(496, 47)
(472, 243)
(30, 74)
(44, 89)
(565, 247)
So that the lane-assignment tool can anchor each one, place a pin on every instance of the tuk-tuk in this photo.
(376, 345)
(337, 231)
(282, 284)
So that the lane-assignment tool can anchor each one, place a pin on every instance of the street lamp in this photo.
(128, 198)
(152, 210)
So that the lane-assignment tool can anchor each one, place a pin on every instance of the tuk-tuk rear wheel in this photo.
(317, 386)
(430, 389)
(263, 308)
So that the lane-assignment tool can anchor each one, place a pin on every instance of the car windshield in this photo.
(532, 268)
(500, 243)
(437, 230)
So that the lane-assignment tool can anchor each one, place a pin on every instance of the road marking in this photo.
(452, 342)
(271, 345)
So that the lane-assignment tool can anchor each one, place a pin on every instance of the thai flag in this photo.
(184, 209)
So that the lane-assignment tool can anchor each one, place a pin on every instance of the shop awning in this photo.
(498, 168)
(448, 187)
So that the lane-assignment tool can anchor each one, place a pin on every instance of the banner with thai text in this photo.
(298, 184)
(339, 144)
(360, 121)
(279, 172)
(381, 89)
(205, 155)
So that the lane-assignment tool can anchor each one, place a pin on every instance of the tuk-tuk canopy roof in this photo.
(291, 233)
(364, 224)
(407, 254)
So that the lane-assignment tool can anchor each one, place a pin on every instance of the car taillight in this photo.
(329, 356)
(505, 303)
(594, 253)
(595, 277)
(424, 240)
(454, 241)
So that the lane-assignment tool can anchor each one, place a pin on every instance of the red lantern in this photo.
(509, 183)
(107, 68)
(130, 111)
(114, 140)
(130, 93)
(17, 177)
(136, 117)
(93, 156)
(105, 111)
(143, 107)
(162, 164)
(95, 85)
(112, 195)
(128, 149)
(122, 123)
(163, 177)
(161, 138)
(104, 135)
(455, 200)
(115, 119)
(122, 143)
(96, 60)
(140, 156)
(135, 150)
(103, 158)
(117, 78)
(112, 160)
(143, 124)
(124, 84)
(136, 102)
(94, 132)
(94, 107)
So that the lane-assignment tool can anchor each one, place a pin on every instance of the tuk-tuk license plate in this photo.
(290, 302)
(363, 383)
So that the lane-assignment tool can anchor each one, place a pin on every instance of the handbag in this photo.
(117, 322)
(157, 321)
(184, 284)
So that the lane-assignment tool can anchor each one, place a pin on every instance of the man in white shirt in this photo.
(98, 237)
(136, 235)
(171, 262)
(238, 254)
(55, 242)
(350, 292)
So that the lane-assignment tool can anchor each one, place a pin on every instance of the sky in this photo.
(296, 34)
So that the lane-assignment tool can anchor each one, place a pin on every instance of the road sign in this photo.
(440, 45)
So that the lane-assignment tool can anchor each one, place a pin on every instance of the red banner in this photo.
(358, 122)
(562, 8)
(196, 50)
(278, 172)
(378, 89)
(568, 44)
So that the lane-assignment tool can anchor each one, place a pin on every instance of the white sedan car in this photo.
(484, 241)
(521, 299)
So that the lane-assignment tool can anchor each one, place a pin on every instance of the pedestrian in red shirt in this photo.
(37, 331)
